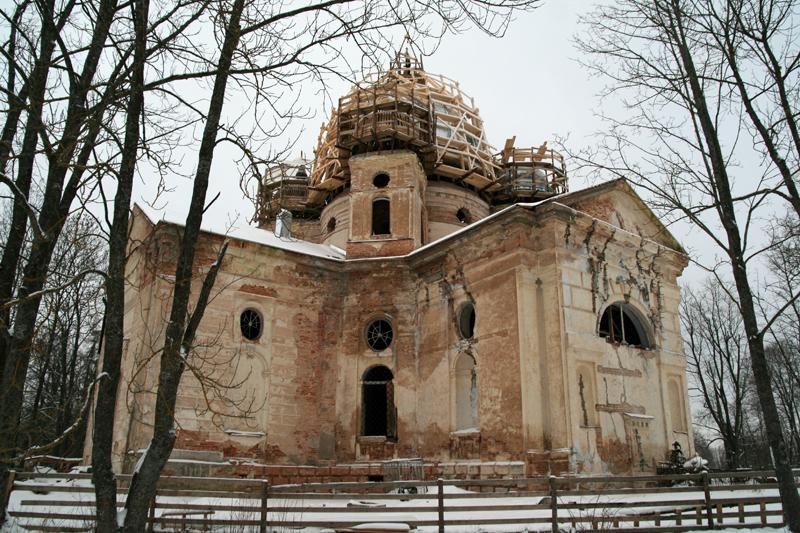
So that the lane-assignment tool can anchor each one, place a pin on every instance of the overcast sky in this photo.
(527, 84)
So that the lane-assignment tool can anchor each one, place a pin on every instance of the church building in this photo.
(412, 293)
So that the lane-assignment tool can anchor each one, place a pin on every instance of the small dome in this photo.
(283, 186)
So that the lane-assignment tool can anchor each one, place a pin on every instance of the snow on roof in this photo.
(326, 251)
(256, 235)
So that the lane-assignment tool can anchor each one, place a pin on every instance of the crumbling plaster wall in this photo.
(271, 399)
(422, 298)
(600, 264)
(538, 279)
(139, 274)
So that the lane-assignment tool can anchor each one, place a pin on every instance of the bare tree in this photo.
(784, 335)
(718, 364)
(756, 39)
(680, 142)
(65, 342)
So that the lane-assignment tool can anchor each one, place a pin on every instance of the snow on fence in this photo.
(65, 502)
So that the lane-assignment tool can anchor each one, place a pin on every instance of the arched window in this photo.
(466, 378)
(466, 321)
(621, 323)
(676, 406)
(381, 220)
(378, 413)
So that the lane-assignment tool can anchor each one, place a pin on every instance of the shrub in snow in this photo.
(696, 464)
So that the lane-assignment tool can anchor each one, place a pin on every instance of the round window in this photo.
(466, 321)
(381, 180)
(331, 224)
(379, 334)
(250, 322)
(463, 215)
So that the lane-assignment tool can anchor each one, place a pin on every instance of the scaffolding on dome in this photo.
(284, 186)
(405, 107)
(529, 173)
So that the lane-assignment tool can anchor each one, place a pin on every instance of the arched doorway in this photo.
(378, 412)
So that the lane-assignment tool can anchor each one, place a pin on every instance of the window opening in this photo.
(381, 218)
(466, 321)
(439, 107)
(250, 323)
(443, 131)
(379, 334)
(379, 414)
(331, 224)
(381, 180)
(466, 377)
(464, 216)
(620, 323)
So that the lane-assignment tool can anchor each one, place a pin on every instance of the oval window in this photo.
(250, 323)
(331, 224)
(379, 334)
(466, 321)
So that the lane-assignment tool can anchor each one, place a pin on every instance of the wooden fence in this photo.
(65, 502)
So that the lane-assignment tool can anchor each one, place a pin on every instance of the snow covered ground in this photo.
(61, 505)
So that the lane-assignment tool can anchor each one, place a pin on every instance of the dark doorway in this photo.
(379, 416)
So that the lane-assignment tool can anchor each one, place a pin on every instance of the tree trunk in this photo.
(19, 217)
(143, 483)
(102, 438)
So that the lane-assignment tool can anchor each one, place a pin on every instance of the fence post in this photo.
(707, 494)
(553, 504)
(152, 518)
(264, 504)
(5, 496)
(440, 497)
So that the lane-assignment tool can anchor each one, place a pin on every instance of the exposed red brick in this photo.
(259, 289)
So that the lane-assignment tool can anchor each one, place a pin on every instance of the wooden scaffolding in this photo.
(405, 107)
(529, 173)
(284, 186)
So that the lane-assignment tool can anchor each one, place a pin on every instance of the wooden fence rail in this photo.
(64, 502)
